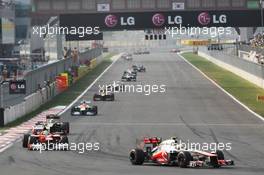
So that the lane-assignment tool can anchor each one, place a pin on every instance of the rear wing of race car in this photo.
(150, 143)
(152, 140)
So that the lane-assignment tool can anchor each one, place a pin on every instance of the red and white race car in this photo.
(45, 140)
(170, 152)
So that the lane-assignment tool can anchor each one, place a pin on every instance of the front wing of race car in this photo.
(212, 163)
(132, 78)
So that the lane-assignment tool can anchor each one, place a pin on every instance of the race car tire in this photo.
(112, 97)
(220, 155)
(64, 140)
(137, 156)
(184, 159)
(66, 127)
(56, 127)
(73, 110)
(97, 97)
(32, 140)
(95, 110)
(25, 141)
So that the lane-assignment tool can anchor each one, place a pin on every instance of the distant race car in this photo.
(84, 109)
(127, 57)
(175, 50)
(130, 72)
(103, 95)
(54, 124)
(146, 52)
(170, 152)
(128, 77)
(43, 140)
(139, 68)
(138, 52)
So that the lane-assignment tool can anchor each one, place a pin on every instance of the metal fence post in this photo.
(2, 95)
(2, 117)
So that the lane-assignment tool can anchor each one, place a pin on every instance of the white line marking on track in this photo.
(227, 93)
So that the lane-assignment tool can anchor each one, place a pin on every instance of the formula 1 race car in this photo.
(139, 68)
(45, 139)
(170, 152)
(127, 57)
(54, 124)
(84, 109)
(104, 95)
(175, 50)
(131, 72)
(128, 77)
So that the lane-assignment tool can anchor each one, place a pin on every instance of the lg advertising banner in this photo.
(17, 87)
(145, 20)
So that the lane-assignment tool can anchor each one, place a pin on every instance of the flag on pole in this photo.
(103, 7)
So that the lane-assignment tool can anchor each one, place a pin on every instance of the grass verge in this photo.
(67, 96)
(245, 91)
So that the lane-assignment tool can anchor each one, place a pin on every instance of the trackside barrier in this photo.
(30, 103)
(45, 73)
(2, 122)
(35, 100)
(92, 63)
(248, 70)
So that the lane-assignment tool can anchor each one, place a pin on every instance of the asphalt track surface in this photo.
(192, 108)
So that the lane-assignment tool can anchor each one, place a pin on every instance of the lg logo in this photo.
(158, 19)
(129, 21)
(13, 86)
(205, 18)
(112, 21)
(19, 86)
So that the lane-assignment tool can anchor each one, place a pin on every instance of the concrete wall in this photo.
(245, 69)
(30, 103)
(44, 73)
(34, 100)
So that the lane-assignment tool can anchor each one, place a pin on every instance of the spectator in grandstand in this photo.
(258, 41)
(75, 56)
(65, 52)
(5, 73)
